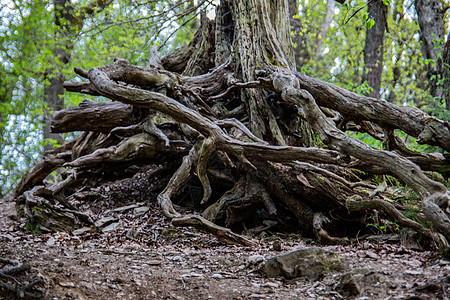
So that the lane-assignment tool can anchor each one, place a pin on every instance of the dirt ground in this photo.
(142, 256)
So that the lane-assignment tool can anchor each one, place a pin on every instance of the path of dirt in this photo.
(146, 258)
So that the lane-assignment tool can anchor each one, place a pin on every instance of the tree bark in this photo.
(373, 50)
(430, 15)
(54, 90)
(446, 73)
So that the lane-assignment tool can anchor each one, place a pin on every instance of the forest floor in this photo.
(142, 256)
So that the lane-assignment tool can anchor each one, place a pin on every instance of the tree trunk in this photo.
(67, 24)
(446, 73)
(54, 90)
(305, 49)
(373, 50)
(430, 15)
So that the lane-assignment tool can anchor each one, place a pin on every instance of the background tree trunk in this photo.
(306, 48)
(54, 90)
(67, 23)
(373, 50)
(430, 14)
(446, 73)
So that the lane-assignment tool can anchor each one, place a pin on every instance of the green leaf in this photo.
(370, 23)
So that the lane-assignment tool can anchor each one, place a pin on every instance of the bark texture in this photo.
(430, 15)
(373, 49)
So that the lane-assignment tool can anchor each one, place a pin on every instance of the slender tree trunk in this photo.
(373, 50)
(299, 38)
(430, 14)
(331, 5)
(304, 49)
(54, 90)
(446, 73)
(68, 22)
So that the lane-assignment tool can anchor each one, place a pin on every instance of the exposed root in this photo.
(407, 171)
(236, 192)
(356, 203)
(321, 234)
(187, 100)
(17, 289)
(222, 233)
(206, 149)
(180, 176)
(236, 123)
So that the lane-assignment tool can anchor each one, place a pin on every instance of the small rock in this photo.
(82, 230)
(430, 288)
(371, 254)
(414, 273)
(134, 235)
(217, 276)
(276, 245)
(141, 210)
(105, 221)
(201, 267)
(192, 275)
(272, 284)
(51, 241)
(257, 296)
(255, 259)
(111, 227)
(310, 262)
(348, 286)
(444, 262)
(67, 284)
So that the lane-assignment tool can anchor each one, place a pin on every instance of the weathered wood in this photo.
(224, 234)
(356, 203)
(94, 116)
(52, 160)
(432, 193)
(415, 122)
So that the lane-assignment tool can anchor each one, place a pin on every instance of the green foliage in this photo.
(436, 107)
(367, 139)
(34, 228)
(34, 49)
(370, 23)
(415, 214)
(382, 227)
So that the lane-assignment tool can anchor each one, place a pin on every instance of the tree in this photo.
(68, 23)
(373, 50)
(226, 113)
(430, 15)
(308, 33)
